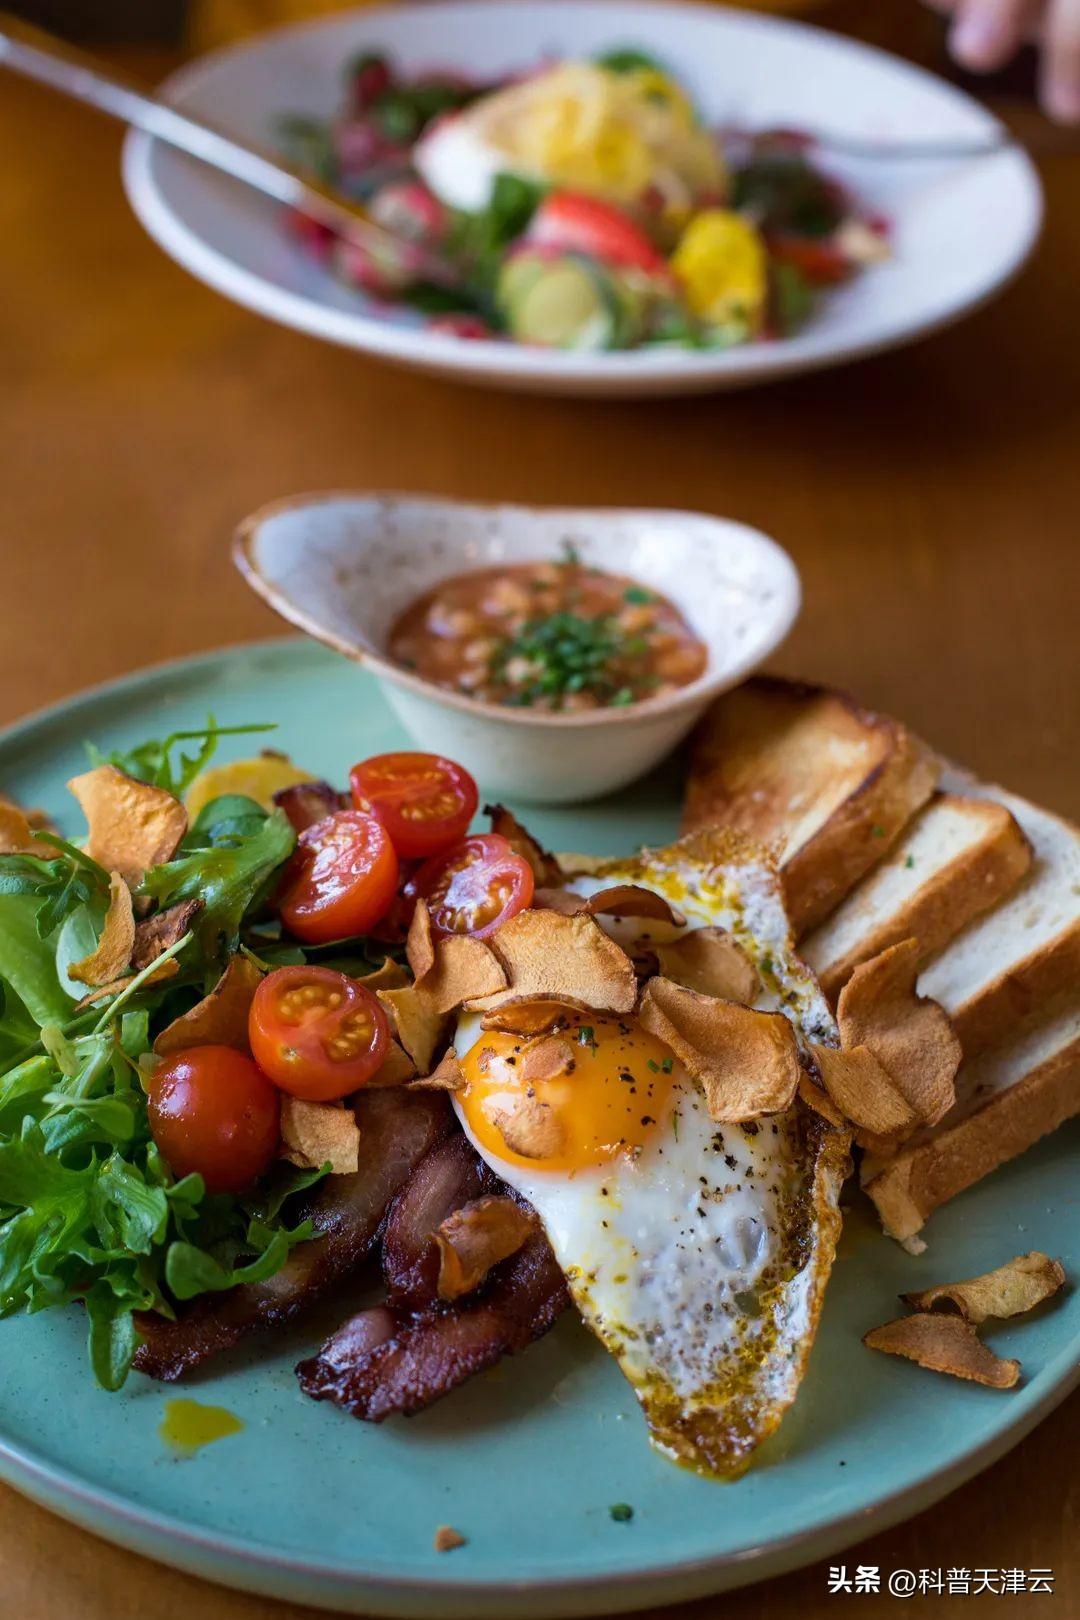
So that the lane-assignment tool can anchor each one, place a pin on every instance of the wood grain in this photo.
(929, 497)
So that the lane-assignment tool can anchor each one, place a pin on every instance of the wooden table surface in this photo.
(930, 499)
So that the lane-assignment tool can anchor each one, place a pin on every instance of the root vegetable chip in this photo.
(620, 900)
(447, 1077)
(463, 970)
(946, 1344)
(1017, 1286)
(475, 1238)
(817, 1098)
(548, 957)
(910, 1035)
(546, 1059)
(318, 1133)
(112, 954)
(710, 961)
(220, 1018)
(415, 1023)
(17, 833)
(746, 1062)
(165, 970)
(528, 1018)
(545, 867)
(528, 1126)
(396, 1069)
(447, 1538)
(157, 933)
(419, 944)
(131, 825)
(390, 976)
(865, 1095)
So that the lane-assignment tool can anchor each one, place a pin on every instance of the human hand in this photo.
(986, 33)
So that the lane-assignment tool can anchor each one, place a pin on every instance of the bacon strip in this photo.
(373, 1367)
(451, 1175)
(397, 1129)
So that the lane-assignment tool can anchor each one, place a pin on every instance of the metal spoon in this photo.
(41, 56)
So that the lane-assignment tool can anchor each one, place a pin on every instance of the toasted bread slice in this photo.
(958, 857)
(827, 784)
(1023, 953)
(1006, 1099)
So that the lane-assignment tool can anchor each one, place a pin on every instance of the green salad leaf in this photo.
(163, 761)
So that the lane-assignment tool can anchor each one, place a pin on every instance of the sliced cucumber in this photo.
(560, 303)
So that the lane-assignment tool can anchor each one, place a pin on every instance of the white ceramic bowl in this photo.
(343, 566)
(961, 228)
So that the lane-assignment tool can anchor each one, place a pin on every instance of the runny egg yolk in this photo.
(585, 1095)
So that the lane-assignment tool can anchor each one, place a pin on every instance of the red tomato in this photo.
(316, 1032)
(820, 262)
(425, 802)
(572, 223)
(475, 886)
(213, 1112)
(341, 879)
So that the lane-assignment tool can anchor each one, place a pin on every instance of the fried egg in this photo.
(697, 1253)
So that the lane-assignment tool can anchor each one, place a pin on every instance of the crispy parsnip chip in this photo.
(318, 1133)
(620, 900)
(879, 1112)
(112, 953)
(946, 1344)
(131, 825)
(817, 1098)
(37, 820)
(564, 901)
(527, 1017)
(396, 1069)
(447, 1076)
(464, 969)
(17, 833)
(389, 976)
(548, 1058)
(164, 970)
(419, 945)
(529, 1127)
(447, 1538)
(545, 867)
(415, 1023)
(220, 1018)
(746, 1062)
(548, 957)
(910, 1035)
(1017, 1286)
(711, 961)
(475, 1238)
(157, 933)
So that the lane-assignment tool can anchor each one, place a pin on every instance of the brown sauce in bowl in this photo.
(558, 636)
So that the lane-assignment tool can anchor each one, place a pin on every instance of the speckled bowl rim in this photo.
(694, 695)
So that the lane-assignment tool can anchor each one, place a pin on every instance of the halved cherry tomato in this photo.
(317, 1033)
(424, 801)
(572, 223)
(212, 1111)
(819, 261)
(474, 887)
(341, 879)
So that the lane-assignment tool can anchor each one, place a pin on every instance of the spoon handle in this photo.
(51, 61)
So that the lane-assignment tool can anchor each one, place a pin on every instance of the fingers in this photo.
(986, 33)
(1060, 73)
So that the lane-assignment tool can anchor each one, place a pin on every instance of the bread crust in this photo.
(813, 775)
(953, 895)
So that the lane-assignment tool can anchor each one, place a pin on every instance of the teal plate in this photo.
(308, 1505)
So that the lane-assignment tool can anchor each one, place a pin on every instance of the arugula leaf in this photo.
(164, 763)
(227, 877)
(28, 961)
(190, 1271)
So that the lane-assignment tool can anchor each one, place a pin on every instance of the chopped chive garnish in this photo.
(667, 1065)
(653, 1065)
(621, 1512)
(637, 594)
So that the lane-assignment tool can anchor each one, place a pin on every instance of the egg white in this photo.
(699, 1262)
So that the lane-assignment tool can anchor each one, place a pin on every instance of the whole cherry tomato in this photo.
(474, 887)
(212, 1111)
(340, 880)
(317, 1033)
(425, 802)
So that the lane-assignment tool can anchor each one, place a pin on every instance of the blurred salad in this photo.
(583, 205)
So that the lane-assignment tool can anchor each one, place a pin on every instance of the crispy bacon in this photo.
(451, 1175)
(397, 1129)
(309, 802)
(373, 1367)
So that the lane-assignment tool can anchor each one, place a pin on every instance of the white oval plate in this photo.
(962, 228)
